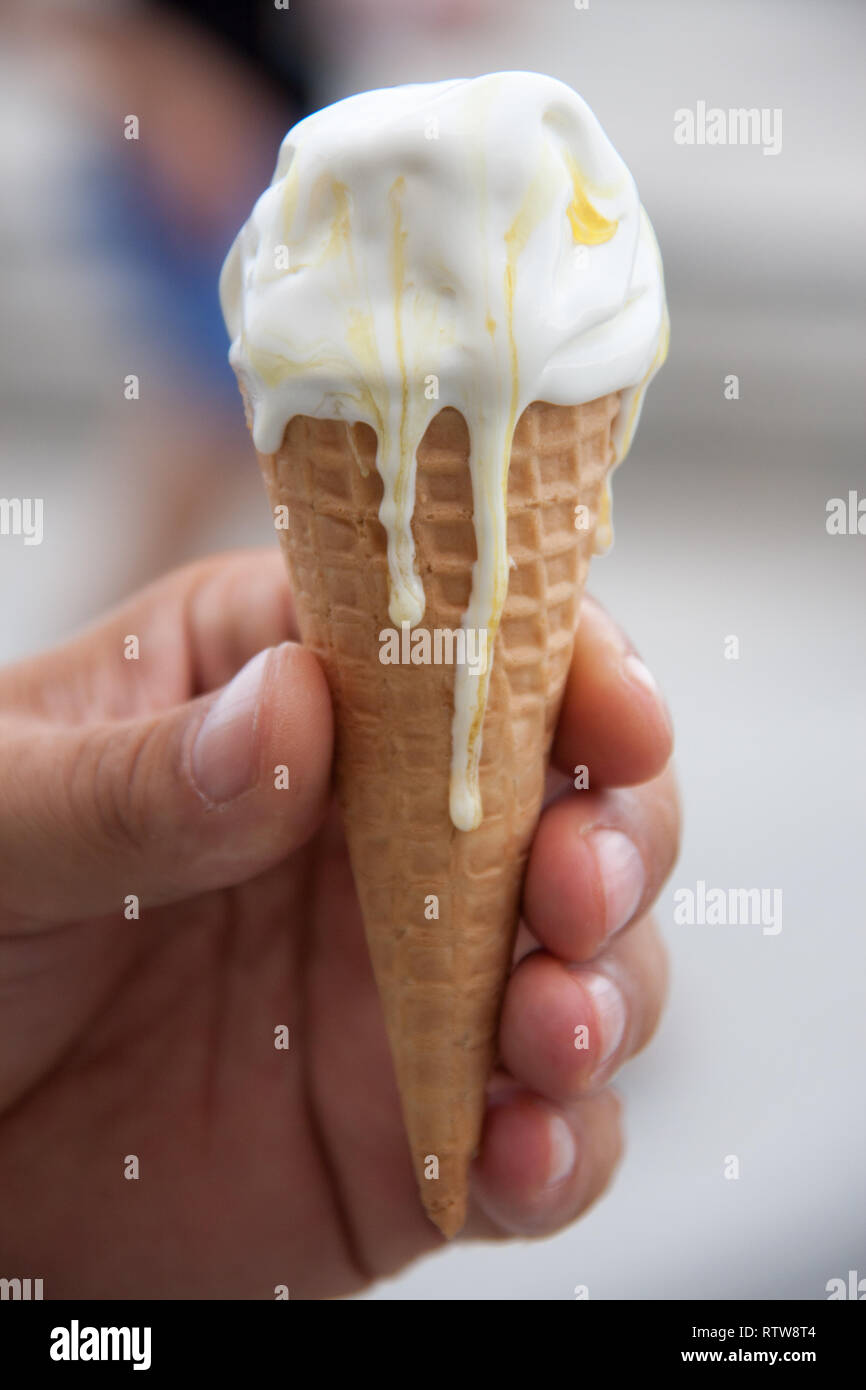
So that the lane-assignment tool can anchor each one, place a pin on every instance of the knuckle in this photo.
(651, 967)
(655, 810)
(106, 787)
(670, 806)
(605, 1154)
(615, 1104)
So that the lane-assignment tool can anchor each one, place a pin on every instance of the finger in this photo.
(613, 721)
(541, 1165)
(239, 604)
(172, 804)
(597, 862)
(184, 635)
(566, 1029)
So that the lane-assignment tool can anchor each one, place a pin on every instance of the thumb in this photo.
(197, 797)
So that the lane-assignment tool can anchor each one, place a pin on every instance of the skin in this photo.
(155, 1037)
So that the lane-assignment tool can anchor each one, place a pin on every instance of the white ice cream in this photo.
(475, 243)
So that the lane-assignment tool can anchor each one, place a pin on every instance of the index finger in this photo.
(613, 721)
(194, 629)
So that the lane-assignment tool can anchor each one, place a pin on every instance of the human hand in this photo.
(154, 1036)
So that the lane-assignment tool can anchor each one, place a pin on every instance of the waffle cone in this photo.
(440, 905)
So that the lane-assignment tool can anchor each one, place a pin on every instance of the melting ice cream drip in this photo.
(482, 234)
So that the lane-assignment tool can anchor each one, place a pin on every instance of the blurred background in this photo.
(110, 254)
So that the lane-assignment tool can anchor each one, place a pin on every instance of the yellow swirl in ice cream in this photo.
(477, 244)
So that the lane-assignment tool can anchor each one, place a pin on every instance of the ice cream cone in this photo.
(441, 905)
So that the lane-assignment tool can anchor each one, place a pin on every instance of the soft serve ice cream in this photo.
(476, 244)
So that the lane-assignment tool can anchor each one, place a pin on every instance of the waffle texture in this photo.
(440, 905)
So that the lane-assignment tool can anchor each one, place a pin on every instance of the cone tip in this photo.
(450, 1219)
